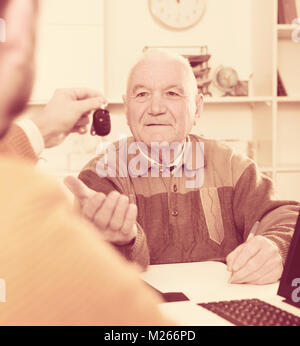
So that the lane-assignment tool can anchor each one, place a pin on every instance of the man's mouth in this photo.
(157, 125)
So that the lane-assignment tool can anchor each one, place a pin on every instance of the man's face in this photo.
(16, 58)
(159, 103)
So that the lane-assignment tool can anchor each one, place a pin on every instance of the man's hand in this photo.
(113, 215)
(67, 112)
(257, 261)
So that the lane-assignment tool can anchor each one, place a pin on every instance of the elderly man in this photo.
(203, 202)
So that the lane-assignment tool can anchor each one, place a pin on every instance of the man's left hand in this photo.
(113, 215)
(257, 261)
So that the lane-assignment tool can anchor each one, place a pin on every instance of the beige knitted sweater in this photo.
(57, 269)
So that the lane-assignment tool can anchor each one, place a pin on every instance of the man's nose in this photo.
(157, 105)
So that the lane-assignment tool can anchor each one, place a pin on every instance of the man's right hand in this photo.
(113, 215)
(67, 111)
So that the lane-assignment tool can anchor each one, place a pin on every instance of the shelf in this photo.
(284, 31)
(266, 169)
(225, 99)
(287, 169)
(280, 169)
(237, 99)
(287, 99)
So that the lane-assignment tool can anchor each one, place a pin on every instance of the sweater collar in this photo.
(191, 156)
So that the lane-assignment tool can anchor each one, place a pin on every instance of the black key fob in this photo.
(101, 122)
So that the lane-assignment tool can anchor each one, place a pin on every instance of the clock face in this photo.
(177, 14)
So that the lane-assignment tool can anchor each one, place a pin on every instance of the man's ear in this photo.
(124, 101)
(124, 97)
(199, 106)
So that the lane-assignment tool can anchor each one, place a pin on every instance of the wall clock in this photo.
(177, 14)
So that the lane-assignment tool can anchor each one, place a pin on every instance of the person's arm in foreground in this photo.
(67, 112)
(57, 268)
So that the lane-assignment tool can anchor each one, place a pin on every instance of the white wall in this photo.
(129, 26)
(70, 47)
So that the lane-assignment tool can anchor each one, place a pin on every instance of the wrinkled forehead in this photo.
(159, 74)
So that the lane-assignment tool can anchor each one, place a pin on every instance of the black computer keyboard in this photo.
(252, 312)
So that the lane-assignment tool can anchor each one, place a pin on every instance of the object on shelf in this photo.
(288, 10)
(242, 87)
(201, 70)
(198, 60)
(204, 88)
(280, 19)
(227, 80)
(281, 90)
(199, 63)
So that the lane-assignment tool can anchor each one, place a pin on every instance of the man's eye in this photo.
(172, 94)
(142, 94)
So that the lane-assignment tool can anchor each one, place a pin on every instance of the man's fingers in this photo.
(250, 269)
(259, 258)
(84, 93)
(118, 238)
(81, 125)
(130, 219)
(92, 204)
(83, 121)
(269, 272)
(93, 131)
(269, 278)
(249, 278)
(249, 250)
(82, 130)
(78, 188)
(104, 215)
(119, 214)
(230, 259)
(90, 104)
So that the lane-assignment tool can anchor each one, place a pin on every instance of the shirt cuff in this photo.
(33, 134)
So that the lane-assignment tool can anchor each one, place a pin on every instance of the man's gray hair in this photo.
(160, 54)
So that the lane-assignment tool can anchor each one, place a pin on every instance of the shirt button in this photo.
(174, 213)
(175, 188)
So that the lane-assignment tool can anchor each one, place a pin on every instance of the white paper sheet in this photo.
(203, 282)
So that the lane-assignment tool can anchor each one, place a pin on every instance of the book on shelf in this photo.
(281, 19)
(288, 10)
(281, 90)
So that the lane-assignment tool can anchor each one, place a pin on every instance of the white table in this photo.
(204, 282)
